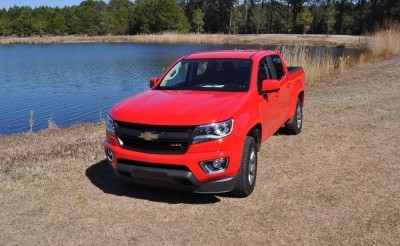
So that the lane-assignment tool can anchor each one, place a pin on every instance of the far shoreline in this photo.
(343, 41)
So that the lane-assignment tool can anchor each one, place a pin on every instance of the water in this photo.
(75, 83)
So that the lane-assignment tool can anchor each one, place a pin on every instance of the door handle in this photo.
(287, 85)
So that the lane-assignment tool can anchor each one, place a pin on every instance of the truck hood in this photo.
(176, 107)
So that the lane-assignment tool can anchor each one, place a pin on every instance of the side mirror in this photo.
(153, 82)
(270, 85)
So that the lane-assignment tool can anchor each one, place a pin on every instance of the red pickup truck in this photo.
(200, 125)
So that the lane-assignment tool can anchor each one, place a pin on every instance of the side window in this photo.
(176, 76)
(264, 72)
(201, 68)
(277, 63)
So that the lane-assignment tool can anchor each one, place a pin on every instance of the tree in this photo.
(108, 24)
(75, 25)
(305, 19)
(60, 24)
(40, 24)
(22, 25)
(236, 19)
(297, 5)
(5, 26)
(166, 15)
(119, 4)
(120, 10)
(198, 20)
(258, 18)
(361, 16)
(330, 13)
(341, 16)
(90, 18)
(224, 12)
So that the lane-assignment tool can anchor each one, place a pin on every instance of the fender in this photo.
(297, 89)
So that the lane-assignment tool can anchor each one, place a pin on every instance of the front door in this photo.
(268, 103)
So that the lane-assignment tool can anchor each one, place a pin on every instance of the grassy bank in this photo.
(177, 38)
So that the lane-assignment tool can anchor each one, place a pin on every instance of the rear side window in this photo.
(277, 63)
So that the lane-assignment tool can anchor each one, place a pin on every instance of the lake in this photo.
(76, 83)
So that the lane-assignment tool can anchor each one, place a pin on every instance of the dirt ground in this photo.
(337, 183)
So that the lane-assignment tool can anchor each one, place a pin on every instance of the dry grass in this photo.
(163, 38)
(51, 124)
(171, 37)
(319, 67)
(324, 66)
(316, 66)
(31, 121)
(386, 42)
(337, 183)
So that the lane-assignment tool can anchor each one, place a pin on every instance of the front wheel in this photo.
(294, 125)
(246, 178)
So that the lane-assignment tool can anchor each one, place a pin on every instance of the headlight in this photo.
(213, 131)
(110, 125)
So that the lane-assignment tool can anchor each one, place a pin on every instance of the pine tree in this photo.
(198, 20)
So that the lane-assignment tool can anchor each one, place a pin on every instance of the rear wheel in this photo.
(294, 125)
(246, 178)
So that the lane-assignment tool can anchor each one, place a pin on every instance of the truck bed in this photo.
(293, 69)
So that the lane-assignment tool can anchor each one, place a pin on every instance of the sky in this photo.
(35, 3)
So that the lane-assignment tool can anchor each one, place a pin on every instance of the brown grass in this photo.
(316, 67)
(386, 41)
(324, 66)
(171, 38)
(337, 183)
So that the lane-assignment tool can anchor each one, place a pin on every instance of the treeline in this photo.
(122, 17)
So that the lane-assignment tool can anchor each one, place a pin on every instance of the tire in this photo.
(294, 125)
(246, 178)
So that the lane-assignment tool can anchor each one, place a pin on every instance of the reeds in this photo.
(51, 124)
(31, 122)
(172, 37)
(386, 41)
(160, 38)
(316, 64)
(323, 64)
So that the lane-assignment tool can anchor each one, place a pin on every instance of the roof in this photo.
(226, 54)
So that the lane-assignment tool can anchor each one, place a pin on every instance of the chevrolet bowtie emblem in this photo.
(148, 136)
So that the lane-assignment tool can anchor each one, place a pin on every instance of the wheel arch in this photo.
(256, 133)
(301, 97)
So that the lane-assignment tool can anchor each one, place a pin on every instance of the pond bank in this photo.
(262, 39)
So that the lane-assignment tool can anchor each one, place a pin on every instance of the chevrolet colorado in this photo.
(200, 125)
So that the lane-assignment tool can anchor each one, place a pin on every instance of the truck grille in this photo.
(154, 139)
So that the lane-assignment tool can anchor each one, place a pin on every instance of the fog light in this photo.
(109, 155)
(217, 164)
(213, 166)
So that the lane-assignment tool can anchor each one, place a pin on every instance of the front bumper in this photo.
(178, 171)
(171, 179)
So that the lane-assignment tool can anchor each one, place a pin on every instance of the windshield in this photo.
(208, 74)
